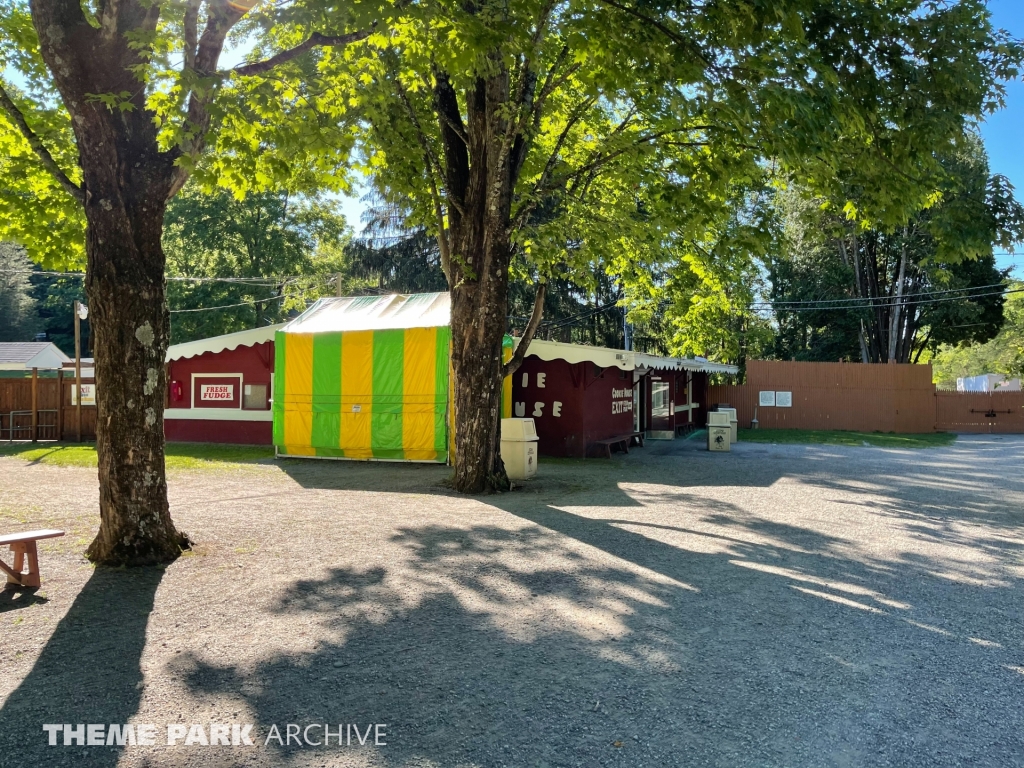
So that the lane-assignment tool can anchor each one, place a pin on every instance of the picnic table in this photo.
(23, 545)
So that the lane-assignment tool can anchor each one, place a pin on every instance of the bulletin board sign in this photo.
(88, 394)
(766, 399)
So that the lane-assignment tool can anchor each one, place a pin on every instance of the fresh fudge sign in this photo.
(217, 392)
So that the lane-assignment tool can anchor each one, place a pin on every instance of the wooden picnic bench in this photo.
(23, 545)
(622, 441)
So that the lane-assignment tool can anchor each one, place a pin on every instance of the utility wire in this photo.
(882, 302)
(248, 303)
(871, 299)
(908, 300)
(267, 281)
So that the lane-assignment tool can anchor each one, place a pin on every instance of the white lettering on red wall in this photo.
(622, 400)
(519, 409)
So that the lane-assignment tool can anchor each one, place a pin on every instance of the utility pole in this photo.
(338, 288)
(35, 405)
(627, 333)
(78, 371)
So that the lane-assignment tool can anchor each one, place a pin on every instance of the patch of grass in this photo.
(838, 437)
(179, 455)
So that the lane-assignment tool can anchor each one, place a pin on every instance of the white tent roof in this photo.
(697, 364)
(618, 358)
(220, 343)
(26, 355)
(580, 353)
(374, 313)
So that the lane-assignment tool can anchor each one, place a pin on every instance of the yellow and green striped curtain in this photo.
(506, 384)
(362, 394)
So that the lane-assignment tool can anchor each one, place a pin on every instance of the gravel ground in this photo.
(776, 606)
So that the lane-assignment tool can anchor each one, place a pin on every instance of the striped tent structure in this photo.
(365, 378)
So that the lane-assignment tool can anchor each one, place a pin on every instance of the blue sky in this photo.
(1004, 130)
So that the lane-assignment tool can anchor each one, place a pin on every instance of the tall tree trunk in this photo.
(878, 322)
(479, 181)
(478, 328)
(125, 291)
(894, 325)
(126, 182)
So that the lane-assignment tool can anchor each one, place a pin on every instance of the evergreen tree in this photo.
(19, 318)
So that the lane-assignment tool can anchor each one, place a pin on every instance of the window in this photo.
(255, 397)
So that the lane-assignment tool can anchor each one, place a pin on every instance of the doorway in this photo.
(661, 411)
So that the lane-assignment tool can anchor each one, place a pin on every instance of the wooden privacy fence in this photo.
(53, 417)
(848, 396)
(865, 398)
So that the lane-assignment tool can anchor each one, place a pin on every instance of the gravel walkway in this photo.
(776, 606)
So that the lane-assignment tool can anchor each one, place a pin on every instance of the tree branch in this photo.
(453, 140)
(531, 328)
(599, 160)
(222, 17)
(108, 19)
(672, 35)
(316, 40)
(513, 142)
(38, 147)
(191, 33)
(574, 117)
(429, 159)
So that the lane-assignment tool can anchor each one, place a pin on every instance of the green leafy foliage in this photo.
(1003, 353)
(260, 258)
(846, 290)
(647, 146)
(55, 297)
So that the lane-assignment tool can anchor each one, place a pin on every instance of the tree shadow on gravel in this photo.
(523, 647)
(394, 477)
(87, 673)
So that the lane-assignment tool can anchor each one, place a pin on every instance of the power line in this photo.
(903, 302)
(870, 300)
(246, 303)
(268, 281)
(585, 315)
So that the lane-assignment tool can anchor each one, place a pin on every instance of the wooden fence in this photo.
(55, 416)
(986, 412)
(865, 398)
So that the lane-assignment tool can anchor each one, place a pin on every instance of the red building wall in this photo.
(255, 365)
(572, 405)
